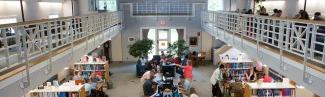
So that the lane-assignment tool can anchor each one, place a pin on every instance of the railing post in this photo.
(50, 45)
(306, 75)
(257, 37)
(312, 41)
(281, 32)
(5, 45)
(18, 42)
(26, 51)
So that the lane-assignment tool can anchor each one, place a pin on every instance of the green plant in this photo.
(177, 48)
(141, 48)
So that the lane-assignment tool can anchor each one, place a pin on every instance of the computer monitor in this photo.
(168, 70)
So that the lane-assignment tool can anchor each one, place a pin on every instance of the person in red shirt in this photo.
(187, 70)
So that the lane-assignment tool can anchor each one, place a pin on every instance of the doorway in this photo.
(161, 37)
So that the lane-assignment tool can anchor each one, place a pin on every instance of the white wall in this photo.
(116, 46)
(35, 9)
(192, 25)
(207, 44)
(10, 9)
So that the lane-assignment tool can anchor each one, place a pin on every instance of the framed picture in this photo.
(193, 41)
(131, 39)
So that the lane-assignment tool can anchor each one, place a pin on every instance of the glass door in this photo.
(162, 40)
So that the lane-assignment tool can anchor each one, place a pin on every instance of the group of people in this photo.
(184, 72)
(278, 13)
(90, 81)
(259, 72)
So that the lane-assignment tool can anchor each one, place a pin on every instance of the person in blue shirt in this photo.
(88, 86)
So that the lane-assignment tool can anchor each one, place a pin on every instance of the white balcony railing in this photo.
(300, 37)
(23, 42)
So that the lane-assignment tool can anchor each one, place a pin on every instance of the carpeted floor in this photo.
(126, 84)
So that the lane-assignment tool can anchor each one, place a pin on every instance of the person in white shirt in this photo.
(214, 80)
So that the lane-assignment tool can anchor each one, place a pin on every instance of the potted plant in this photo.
(141, 48)
(178, 48)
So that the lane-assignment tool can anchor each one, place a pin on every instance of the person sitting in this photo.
(185, 85)
(279, 13)
(88, 86)
(162, 54)
(318, 16)
(77, 76)
(250, 75)
(259, 70)
(187, 70)
(94, 78)
(150, 65)
(302, 15)
(148, 87)
(275, 11)
(249, 11)
(147, 74)
(263, 11)
(298, 16)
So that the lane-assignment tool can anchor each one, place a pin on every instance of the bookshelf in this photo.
(54, 91)
(278, 89)
(100, 68)
(237, 67)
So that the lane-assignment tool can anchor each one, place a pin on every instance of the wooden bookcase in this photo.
(88, 67)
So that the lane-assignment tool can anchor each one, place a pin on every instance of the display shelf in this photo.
(278, 89)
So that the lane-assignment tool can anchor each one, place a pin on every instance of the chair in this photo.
(201, 57)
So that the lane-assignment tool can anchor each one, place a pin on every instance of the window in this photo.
(109, 5)
(215, 5)
(162, 8)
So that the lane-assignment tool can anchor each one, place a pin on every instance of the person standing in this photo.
(187, 70)
(214, 80)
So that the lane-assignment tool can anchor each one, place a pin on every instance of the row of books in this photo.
(238, 65)
(56, 94)
(274, 93)
(90, 67)
(236, 74)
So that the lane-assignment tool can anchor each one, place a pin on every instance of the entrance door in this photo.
(161, 38)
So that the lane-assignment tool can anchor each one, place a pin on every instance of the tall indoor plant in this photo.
(141, 48)
(178, 48)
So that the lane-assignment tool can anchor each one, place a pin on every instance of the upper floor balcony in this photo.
(295, 48)
(26, 44)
